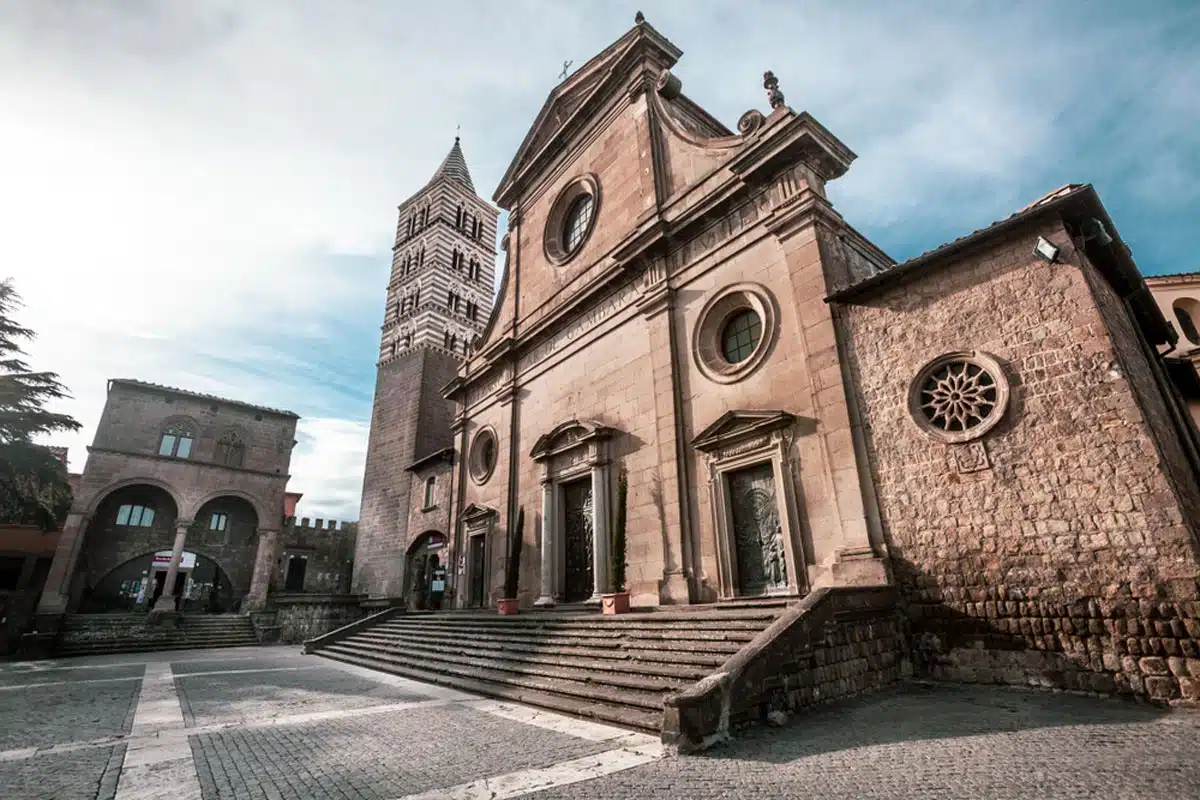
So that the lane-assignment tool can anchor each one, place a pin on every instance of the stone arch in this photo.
(101, 495)
(423, 559)
(262, 517)
(115, 534)
(132, 585)
(231, 446)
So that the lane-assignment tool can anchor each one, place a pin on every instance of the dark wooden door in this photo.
(477, 572)
(577, 535)
(294, 582)
(757, 534)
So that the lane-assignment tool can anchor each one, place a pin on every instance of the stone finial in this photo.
(639, 18)
(771, 84)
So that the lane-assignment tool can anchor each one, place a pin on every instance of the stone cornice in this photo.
(187, 462)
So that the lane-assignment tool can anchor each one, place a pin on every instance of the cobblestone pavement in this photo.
(271, 723)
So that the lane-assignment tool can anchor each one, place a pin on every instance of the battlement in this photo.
(318, 524)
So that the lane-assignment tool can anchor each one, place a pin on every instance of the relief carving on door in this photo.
(577, 523)
(757, 533)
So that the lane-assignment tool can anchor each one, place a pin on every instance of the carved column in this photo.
(548, 544)
(600, 532)
(264, 565)
(166, 601)
(56, 592)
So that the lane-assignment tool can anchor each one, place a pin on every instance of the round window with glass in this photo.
(579, 217)
(741, 335)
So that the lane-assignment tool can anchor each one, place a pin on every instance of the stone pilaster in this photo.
(264, 565)
(56, 592)
(548, 545)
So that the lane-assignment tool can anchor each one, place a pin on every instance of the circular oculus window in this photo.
(482, 459)
(735, 332)
(958, 397)
(571, 219)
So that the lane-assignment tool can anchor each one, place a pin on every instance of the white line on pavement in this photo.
(158, 759)
(522, 782)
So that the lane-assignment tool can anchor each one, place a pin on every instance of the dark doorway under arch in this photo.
(135, 585)
(425, 573)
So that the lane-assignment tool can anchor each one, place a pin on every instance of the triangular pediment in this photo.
(476, 513)
(567, 435)
(733, 426)
(572, 100)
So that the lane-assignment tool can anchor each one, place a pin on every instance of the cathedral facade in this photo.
(691, 342)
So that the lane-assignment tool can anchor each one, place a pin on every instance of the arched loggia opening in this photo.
(227, 527)
(136, 584)
(128, 522)
(425, 573)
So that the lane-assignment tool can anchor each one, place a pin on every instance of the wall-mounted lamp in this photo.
(1045, 250)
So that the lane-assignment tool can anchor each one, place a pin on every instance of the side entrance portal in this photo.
(578, 532)
(757, 534)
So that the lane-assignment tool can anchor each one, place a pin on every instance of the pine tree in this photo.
(33, 483)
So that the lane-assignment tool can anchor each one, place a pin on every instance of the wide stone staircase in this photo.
(95, 634)
(613, 669)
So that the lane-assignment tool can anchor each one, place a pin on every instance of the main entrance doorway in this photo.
(577, 530)
(477, 565)
(757, 534)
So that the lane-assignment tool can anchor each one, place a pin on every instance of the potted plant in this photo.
(618, 601)
(512, 571)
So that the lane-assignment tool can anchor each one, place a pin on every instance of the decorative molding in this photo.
(578, 326)
(750, 122)
(971, 457)
(668, 85)
(707, 349)
(958, 397)
(737, 426)
(722, 229)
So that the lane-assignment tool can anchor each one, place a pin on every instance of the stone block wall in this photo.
(303, 617)
(1054, 553)
(327, 545)
(837, 643)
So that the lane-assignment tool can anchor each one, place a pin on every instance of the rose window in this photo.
(959, 396)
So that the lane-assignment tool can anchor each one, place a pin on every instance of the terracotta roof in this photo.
(202, 396)
(1173, 276)
(454, 168)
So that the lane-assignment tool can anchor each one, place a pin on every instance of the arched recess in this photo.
(227, 526)
(130, 518)
(99, 497)
(135, 584)
(262, 516)
(425, 571)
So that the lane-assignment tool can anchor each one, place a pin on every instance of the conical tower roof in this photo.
(454, 167)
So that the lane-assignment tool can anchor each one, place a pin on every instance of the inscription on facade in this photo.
(581, 325)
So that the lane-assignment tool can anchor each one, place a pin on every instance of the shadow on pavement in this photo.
(922, 711)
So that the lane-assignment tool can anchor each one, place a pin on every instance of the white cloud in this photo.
(181, 180)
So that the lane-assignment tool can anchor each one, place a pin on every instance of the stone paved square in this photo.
(251, 733)
(43, 715)
(89, 774)
(939, 741)
(375, 757)
(243, 696)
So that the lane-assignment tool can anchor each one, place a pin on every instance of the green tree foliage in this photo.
(33, 483)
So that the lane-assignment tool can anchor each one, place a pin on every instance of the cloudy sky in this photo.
(201, 193)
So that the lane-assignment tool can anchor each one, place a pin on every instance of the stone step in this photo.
(756, 621)
(609, 713)
(649, 698)
(645, 662)
(111, 648)
(628, 710)
(678, 633)
(629, 678)
(554, 642)
(611, 654)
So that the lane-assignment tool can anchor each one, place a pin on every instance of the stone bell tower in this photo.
(439, 297)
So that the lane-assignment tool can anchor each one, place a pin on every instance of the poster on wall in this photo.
(162, 560)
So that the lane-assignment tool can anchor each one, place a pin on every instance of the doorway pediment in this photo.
(567, 436)
(475, 515)
(736, 426)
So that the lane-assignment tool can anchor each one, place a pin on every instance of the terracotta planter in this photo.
(615, 603)
(508, 606)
